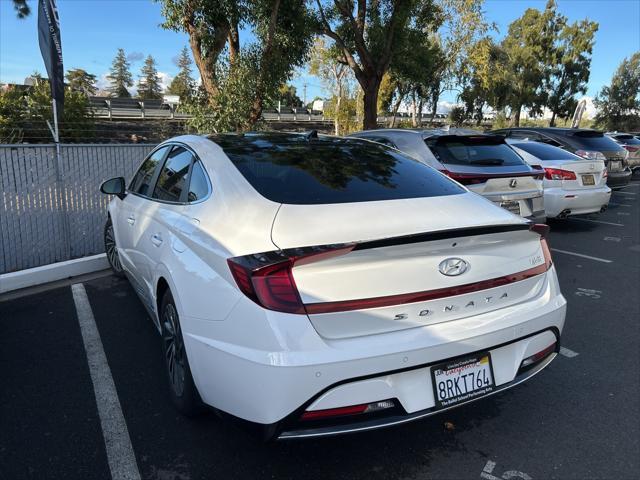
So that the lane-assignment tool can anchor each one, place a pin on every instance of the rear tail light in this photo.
(631, 148)
(465, 179)
(558, 174)
(590, 155)
(605, 173)
(351, 410)
(541, 355)
(543, 230)
(267, 278)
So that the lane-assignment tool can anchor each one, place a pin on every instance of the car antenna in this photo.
(312, 135)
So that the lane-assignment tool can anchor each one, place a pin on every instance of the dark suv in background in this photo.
(587, 143)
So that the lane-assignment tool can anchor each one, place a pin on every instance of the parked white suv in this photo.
(320, 285)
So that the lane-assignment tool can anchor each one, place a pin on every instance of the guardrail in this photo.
(51, 209)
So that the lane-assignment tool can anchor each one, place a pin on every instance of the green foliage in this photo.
(288, 96)
(120, 76)
(344, 112)
(149, 86)
(23, 114)
(458, 115)
(22, 8)
(78, 80)
(183, 84)
(619, 103)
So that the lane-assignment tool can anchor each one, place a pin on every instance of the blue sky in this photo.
(92, 30)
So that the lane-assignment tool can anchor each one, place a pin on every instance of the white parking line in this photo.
(568, 353)
(122, 460)
(597, 221)
(624, 193)
(581, 255)
(620, 204)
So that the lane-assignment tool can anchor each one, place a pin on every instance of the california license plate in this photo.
(615, 166)
(462, 380)
(513, 207)
(588, 180)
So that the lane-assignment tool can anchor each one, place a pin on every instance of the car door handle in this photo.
(131, 220)
(156, 239)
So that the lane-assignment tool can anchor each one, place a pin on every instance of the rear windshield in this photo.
(481, 151)
(331, 171)
(628, 139)
(546, 152)
(596, 141)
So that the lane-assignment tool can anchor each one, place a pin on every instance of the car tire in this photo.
(111, 249)
(184, 394)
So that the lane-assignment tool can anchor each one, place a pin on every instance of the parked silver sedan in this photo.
(485, 164)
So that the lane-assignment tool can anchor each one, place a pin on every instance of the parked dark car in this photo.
(587, 143)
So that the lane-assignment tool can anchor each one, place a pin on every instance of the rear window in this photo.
(628, 139)
(481, 151)
(546, 152)
(592, 140)
(289, 169)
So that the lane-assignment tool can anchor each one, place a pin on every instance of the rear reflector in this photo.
(541, 355)
(475, 179)
(351, 410)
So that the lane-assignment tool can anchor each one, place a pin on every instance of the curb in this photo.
(52, 272)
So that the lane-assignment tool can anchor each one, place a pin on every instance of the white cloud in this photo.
(165, 80)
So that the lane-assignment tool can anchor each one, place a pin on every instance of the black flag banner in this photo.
(51, 49)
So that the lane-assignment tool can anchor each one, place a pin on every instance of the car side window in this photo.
(173, 176)
(141, 183)
(198, 184)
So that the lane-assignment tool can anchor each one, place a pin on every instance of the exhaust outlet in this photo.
(603, 208)
(564, 214)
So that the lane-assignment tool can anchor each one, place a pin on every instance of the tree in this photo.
(282, 33)
(369, 35)
(210, 25)
(183, 84)
(618, 104)
(324, 63)
(79, 80)
(120, 77)
(530, 49)
(22, 8)
(288, 96)
(149, 86)
(570, 71)
(458, 115)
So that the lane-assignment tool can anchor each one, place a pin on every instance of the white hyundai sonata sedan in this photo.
(320, 285)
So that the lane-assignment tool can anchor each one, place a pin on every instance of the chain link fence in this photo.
(51, 208)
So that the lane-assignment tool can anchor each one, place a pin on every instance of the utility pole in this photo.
(304, 94)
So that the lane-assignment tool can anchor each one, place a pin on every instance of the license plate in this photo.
(462, 380)
(588, 180)
(615, 165)
(513, 207)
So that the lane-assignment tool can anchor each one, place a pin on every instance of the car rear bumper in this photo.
(558, 201)
(275, 388)
(619, 179)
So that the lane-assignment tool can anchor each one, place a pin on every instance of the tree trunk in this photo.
(515, 121)
(552, 122)
(370, 101)
(234, 43)
(434, 110)
(420, 103)
(336, 112)
(396, 106)
(414, 119)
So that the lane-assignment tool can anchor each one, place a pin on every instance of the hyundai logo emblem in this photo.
(452, 267)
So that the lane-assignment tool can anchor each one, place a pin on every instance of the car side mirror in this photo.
(114, 186)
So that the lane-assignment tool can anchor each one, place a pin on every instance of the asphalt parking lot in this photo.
(578, 419)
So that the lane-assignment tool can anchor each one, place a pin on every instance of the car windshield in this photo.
(478, 150)
(546, 152)
(291, 169)
(592, 140)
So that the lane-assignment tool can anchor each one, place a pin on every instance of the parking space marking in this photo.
(624, 193)
(487, 473)
(612, 239)
(620, 204)
(596, 221)
(624, 213)
(122, 460)
(565, 352)
(581, 255)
